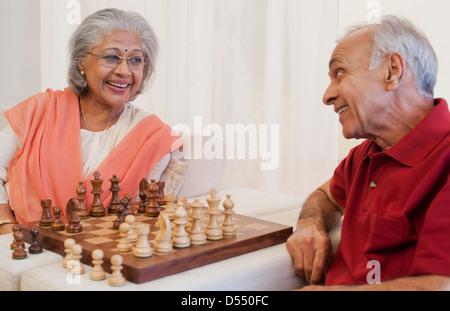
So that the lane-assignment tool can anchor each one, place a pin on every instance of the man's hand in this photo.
(311, 249)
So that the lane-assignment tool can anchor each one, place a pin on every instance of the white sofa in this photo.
(267, 269)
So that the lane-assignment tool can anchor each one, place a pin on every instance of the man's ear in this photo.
(395, 65)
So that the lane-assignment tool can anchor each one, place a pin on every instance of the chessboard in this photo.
(98, 233)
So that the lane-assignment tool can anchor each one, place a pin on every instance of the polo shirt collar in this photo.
(422, 139)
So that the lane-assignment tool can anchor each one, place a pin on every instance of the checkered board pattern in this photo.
(98, 233)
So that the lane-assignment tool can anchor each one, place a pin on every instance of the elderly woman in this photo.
(57, 138)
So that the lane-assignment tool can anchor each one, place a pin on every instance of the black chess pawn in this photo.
(14, 229)
(143, 202)
(35, 247)
(19, 251)
(57, 224)
(120, 217)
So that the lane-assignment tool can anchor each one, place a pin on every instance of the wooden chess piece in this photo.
(19, 252)
(163, 240)
(161, 200)
(57, 224)
(142, 202)
(75, 266)
(132, 235)
(153, 209)
(143, 185)
(15, 228)
(143, 248)
(97, 273)
(116, 278)
(73, 218)
(213, 231)
(170, 206)
(35, 247)
(115, 200)
(46, 217)
(81, 197)
(68, 244)
(120, 219)
(128, 198)
(228, 226)
(97, 209)
(124, 244)
(196, 234)
(180, 236)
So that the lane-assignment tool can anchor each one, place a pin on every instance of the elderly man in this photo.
(394, 188)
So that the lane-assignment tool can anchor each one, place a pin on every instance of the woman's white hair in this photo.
(91, 32)
(395, 34)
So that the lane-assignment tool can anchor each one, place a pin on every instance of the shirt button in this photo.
(373, 185)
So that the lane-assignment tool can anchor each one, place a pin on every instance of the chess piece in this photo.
(143, 248)
(57, 224)
(163, 240)
(196, 234)
(132, 235)
(68, 244)
(127, 205)
(75, 266)
(115, 201)
(116, 278)
(213, 231)
(81, 197)
(153, 209)
(180, 236)
(97, 209)
(228, 226)
(46, 217)
(14, 229)
(35, 247)
(161, 200)
(120, 217)
(142, 202)
(124, 245)
(170, 206)
(19, 251)
(97, 273)
(73, 218)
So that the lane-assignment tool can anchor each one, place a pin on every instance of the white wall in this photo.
(429, 15)
(20, 71)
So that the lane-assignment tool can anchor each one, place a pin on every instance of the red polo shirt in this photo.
(397, 205)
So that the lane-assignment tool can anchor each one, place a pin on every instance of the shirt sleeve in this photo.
(10, 145)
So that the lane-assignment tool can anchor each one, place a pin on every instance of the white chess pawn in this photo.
(75, 266)
(116, 278)
(132, 235)
(180, 236)
(196, 234)
(170, 208)
(143, 248)
(68, 243)
(124, 245)
(97, 273)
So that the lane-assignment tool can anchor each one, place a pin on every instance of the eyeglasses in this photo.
(113, 60)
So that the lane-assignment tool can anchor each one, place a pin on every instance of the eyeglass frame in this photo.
(102, 56)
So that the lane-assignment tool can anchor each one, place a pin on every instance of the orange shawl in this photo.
(49, 164)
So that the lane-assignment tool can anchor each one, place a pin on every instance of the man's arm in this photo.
(309, 246)
(410, 283)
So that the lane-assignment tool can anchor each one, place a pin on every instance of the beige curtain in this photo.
(253, 68)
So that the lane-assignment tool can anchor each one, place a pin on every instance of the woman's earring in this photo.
(82, 72)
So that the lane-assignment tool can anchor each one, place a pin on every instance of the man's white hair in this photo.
(395, 34)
